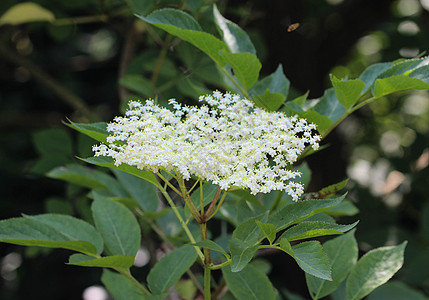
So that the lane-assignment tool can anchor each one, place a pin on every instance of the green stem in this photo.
(139, 285)
(169, 183)
(188, 201)
(208, 217)
(207, 294)
(182, 222)
(207, 263)
(161, 59)
(220, 266)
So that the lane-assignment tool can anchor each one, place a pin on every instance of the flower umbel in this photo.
(227, 141)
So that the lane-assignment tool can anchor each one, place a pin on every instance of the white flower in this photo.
(231, 143)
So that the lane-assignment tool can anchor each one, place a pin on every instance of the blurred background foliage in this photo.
(95, 56)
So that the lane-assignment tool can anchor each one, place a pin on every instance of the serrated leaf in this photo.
(347, 92)
(269, 101)
(142, 191)
(311, 258)
(25, 13)
(373, 269)
(332, 189)
(296, 212)
(276, 84)
(117, 225)
(286, 246)
(396, 83)
(269, 230)
(241, 253)
(371, 73)
(421, 73)
(108, 162)
(97, 131)
(329, 106)
(170, 268)
(342, 253)
(323, 123)
(123, 262)
(404, 67)
(52, 231)
(248, 231)
(249, 283)
(234, 37)
(306, 230)
(87, 177)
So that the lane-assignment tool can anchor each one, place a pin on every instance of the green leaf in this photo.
(241, 253)
(142, 191)
(248, 231)
(296, 212)
(234, 37)
(26, 12)
(52, 231)
(311, 258)
(117, 225)
(404, 67)
(170, 268)
(123, 262)
(396, 290)
(108, 162)
(332, 189)
(249, 284)
(246, 67)
(138, 84)
(306, 230)
(142, 7)
(373, 269)
(323, 123)
(421, 73)
(97, 131)
(120, 287)
(342, 253)
(396, 83)
(286, 246)
(272, 91)
(269, 230)
(345, 208)
(87, 177)
(348, 92)
(43, 141)
(329, 106)
(208, 244)
(371, 73)
(184, 26)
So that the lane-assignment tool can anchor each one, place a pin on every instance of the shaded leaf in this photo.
(208, 244)
(269, 230)
(142, 191)
(249, 283)
(120, 287)
(170, 268)
(241, 253)
(371, 73)
(396, 290)
(138, 84)
(329, 106)
(311, 258)
(108, 162)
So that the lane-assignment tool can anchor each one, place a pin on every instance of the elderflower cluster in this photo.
(228, 142)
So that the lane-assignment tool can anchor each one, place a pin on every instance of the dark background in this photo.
(87, 60)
